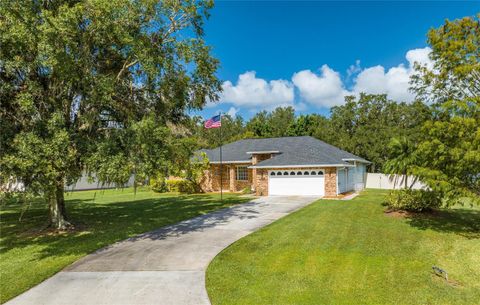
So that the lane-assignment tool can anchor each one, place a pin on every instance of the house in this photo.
(284, 166)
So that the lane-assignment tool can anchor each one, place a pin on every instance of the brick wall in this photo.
(255, 159)
(211, 179)
(330, 181)
(261, 182)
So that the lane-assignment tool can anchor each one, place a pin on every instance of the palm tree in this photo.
(401, 158)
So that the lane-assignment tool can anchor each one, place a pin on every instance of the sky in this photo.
(309, 55)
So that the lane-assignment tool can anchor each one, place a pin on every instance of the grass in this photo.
(29, 255)
(350, 252)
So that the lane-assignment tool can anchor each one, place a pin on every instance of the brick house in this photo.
(284, 166)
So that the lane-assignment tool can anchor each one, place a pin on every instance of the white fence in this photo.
(390, 182)
(83, 184)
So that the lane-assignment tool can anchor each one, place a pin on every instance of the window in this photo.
(292, 173)
(285, 173)
(313, 173)
(272, 174)
(299, 173)
(242, 173)
(320, 173)
(306, 173)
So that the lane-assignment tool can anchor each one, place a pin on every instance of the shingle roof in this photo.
(303, 150)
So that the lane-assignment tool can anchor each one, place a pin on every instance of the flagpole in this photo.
(221, 172)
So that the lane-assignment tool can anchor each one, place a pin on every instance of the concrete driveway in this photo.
(165, 267)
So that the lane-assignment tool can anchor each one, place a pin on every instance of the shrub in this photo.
(182, 186)
(413, 200)
(247, 190)
(158, 184)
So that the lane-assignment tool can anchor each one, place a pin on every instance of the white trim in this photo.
(302, 166)
(263, 152)
(236, 173)
(230, 162)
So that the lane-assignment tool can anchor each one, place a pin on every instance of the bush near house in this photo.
(183, 186)
(413, 200)
(158, 184)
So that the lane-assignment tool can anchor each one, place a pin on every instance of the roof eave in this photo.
(302, 166)
(236, 162)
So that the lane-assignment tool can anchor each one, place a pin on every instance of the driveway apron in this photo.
(166, 266)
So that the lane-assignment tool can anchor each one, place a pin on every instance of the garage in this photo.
(305, 182)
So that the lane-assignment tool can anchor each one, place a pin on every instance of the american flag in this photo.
(213, 122)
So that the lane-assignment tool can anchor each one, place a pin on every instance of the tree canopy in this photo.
(91, 85)
(449, 147)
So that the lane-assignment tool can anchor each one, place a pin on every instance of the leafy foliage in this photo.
(456, 62)
(93, 85)
(413, 200)
(158, 184)
(449, 150)
(402, 158)
(182, 186)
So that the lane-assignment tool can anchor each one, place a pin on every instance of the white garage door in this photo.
(296, 182)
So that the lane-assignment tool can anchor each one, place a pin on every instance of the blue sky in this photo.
(310, 54)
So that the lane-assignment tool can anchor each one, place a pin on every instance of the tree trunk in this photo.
(58, 215)
(405, 179)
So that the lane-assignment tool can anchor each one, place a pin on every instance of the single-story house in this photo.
(284, 166)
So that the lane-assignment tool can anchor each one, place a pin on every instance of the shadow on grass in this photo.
(464, 222)
(105, 223)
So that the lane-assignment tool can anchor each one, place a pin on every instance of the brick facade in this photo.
(261, 182)
(257, 179)
(255, 159)
(330, 181)
(211, 179)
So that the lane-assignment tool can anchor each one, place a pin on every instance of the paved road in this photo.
(165, 267)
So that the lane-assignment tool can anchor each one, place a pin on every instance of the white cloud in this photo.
(354, 69)
(420, 56)
(395, 81)
(253, 92)
(232, 112)
(324, 90)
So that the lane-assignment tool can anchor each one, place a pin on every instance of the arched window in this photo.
(299, 173)
(313, 173)
(272, 174)
(306, 173)
(279, 173)
(320, 173)
(285, 173)
(292, 173)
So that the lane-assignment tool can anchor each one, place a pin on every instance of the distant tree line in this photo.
(364, 126)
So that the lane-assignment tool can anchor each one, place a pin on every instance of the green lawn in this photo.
(350, 252)
(28, 256)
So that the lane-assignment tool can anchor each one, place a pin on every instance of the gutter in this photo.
(357, 160)
(230, 162)
(303, 166)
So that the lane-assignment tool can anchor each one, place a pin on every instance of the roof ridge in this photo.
(277, 138)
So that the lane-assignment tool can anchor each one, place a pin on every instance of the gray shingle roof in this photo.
(303, 150)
